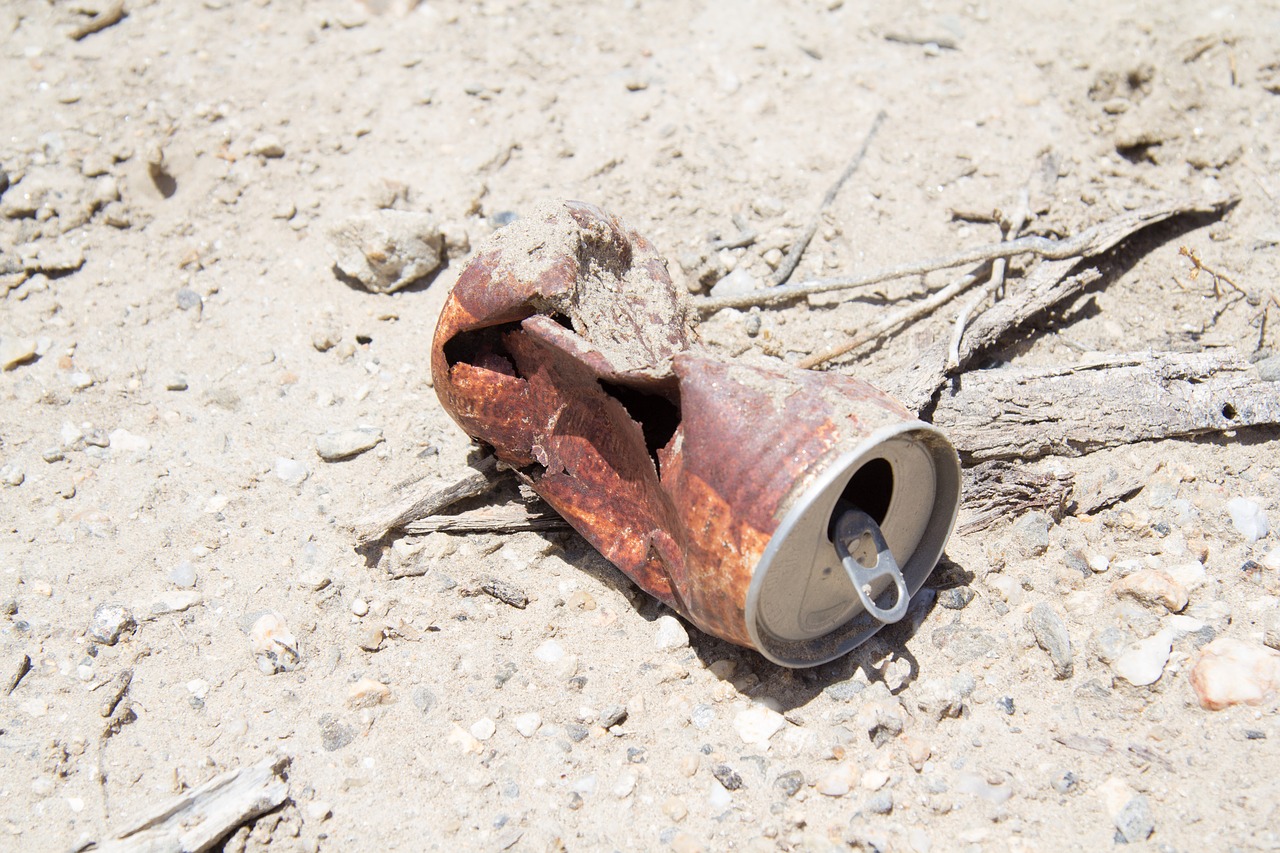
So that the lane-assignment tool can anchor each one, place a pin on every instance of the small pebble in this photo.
(359, 607)
(16, 351)
(1231, 672)
(612, 716)
(505, 592)
(110, 622)
(12, 475)
(424, 698)
(483, 729)
(838, 781)
(1143, 662)
(1065, 782)
(336, 445)
(1248, 518)
(367, 693)
(956, 597)
(267, 145)
(670, 633)
(727, 776)
(625, 785)
(1005, 704)
(549, 651)
(880, 803)
(675, 809)
(1152, 587)
(757, 724)
(371, 640)
(183, 575)
(1051, 635)
(176, 601)
(291, 471)
(528, 724)
(273, 645)
(789, 782)
(188, 299)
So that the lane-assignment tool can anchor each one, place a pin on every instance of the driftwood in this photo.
(1113, 400)
(500, 518)
(425, 500)
(198, 819)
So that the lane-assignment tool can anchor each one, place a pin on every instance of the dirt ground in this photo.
(176, 343)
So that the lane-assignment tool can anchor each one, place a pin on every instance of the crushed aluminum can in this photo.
(780, 509)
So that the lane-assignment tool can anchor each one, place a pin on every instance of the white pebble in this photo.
(198, 688)
(1190, 575)
(183, 575)
(1143, 662)
(671, 634)
(971, 783)
(272, 644)
(549, 652)
(718, 798)
(625, 785)
(1098, 563)
(483, 728)
(757, 724)
(359, 607)
(1247, 518)
(1231, 672)
(838, 781)
(528, 724)
(290, 470)
(123, 441)
(1272, 559)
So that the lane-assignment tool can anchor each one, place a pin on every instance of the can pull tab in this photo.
(858, 540)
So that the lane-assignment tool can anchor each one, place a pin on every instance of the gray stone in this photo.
(386, 250)
(1031, 534)
(424, 699)
(333, 734)
(790, 782)
(183, 575)
(576, 732)
(188, 299)
(110, 622)
(963, 643)
(880, 803)
(955, 598)
(1051, 635)
(343, 444)
(727, 776)
(613, 715)
(1135, 822)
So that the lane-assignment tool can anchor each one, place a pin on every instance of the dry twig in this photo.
(1016, 221)
(1087, 243)
(788, 265)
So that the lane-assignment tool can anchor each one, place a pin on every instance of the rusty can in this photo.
(785, 510)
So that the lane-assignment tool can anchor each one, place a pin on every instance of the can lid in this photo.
(900, 487)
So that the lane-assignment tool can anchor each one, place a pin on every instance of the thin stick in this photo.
(1016, 223)
(789, 263)
(1089, 242)
(895, 320)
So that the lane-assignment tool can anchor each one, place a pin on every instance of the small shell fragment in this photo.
(273, 644)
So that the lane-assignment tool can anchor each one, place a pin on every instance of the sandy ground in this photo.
(176, 343)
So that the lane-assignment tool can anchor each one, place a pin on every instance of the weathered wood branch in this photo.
(1012, 413)
(501, 518)
(198, 819)
(425, 500)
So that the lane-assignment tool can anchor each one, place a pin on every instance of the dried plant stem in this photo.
(1087, 243)
(1016, 222)
(789, 263)
(895, 320)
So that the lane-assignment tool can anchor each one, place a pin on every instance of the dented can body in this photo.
(717, 486)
